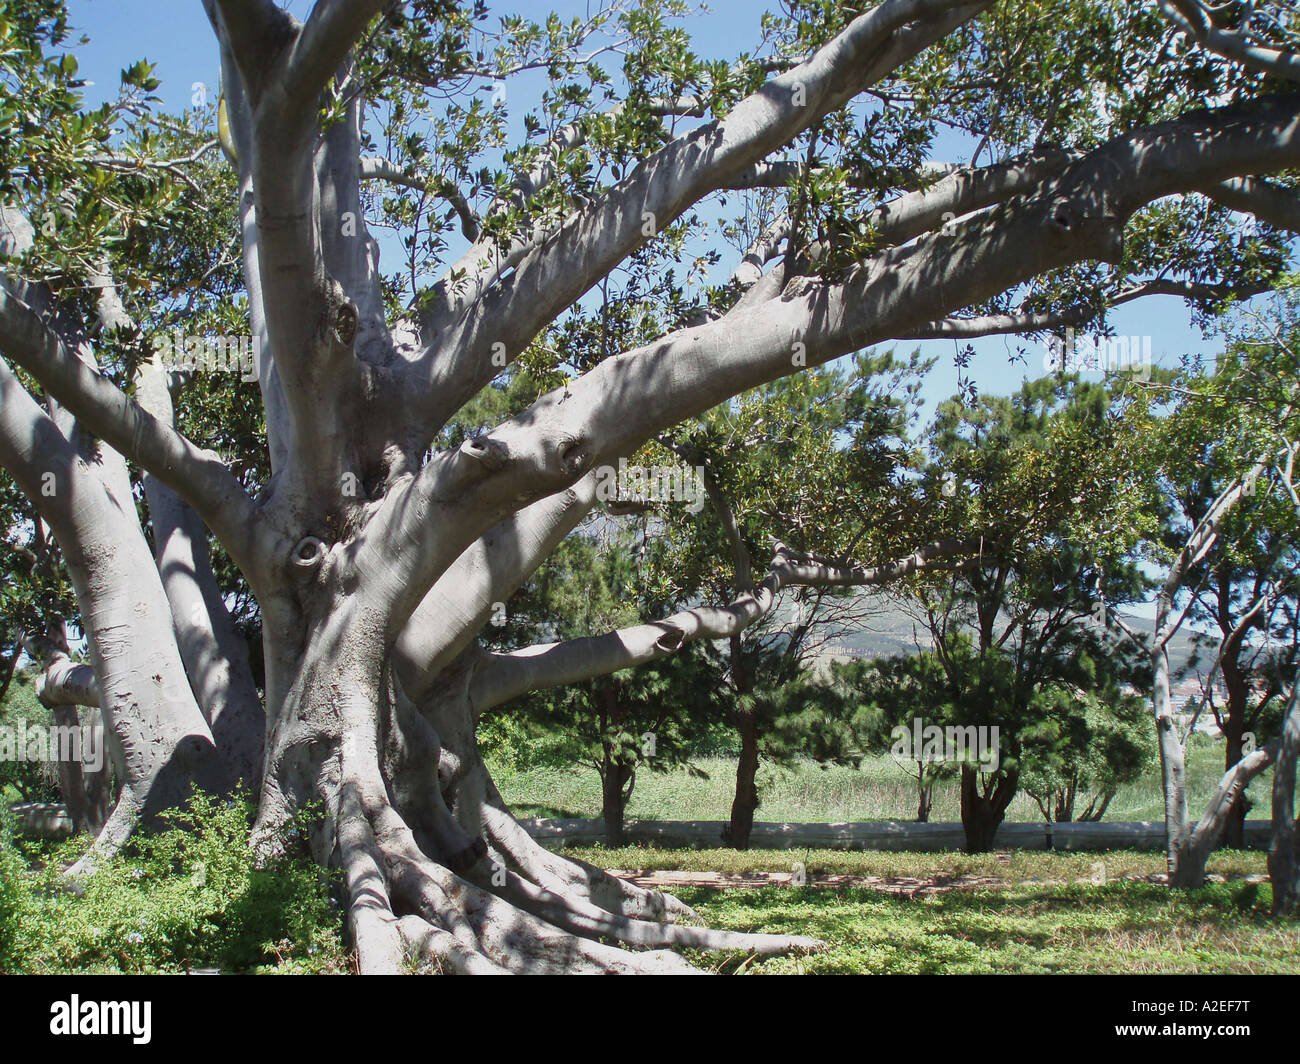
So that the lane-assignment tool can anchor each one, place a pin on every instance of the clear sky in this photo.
(174, 35)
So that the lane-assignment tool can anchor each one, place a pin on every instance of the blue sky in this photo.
(176, 37)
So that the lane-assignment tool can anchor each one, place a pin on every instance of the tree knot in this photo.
(308, 553)
(345, 323)
(493, 454)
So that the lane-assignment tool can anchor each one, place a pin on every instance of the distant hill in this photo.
(886, 629)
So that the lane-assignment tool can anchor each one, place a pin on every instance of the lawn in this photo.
(1047, 914)
(194, 899)
(1023, 912)
(879, 790)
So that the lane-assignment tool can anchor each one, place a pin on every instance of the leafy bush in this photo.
(190, 896)
(13, 889)
(32, 781)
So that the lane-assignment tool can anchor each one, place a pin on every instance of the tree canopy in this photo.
(589, 275)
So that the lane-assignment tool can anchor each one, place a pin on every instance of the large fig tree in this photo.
(1112, 149)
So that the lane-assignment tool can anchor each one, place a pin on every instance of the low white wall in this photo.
(888, 835)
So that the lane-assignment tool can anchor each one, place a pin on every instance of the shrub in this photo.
(191, 895)
(13, 890)
(31, 781)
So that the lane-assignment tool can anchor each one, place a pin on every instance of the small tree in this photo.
(1237, 416)
(1039, 474)
(858, 707)
(1092, 744)
(817, 461)
(650, 718)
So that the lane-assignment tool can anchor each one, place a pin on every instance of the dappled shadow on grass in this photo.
(545, 812)
(1116, 927)
(189, 894)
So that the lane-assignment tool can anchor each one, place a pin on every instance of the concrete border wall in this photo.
(51, 820)
(45, 820)
(876, 835)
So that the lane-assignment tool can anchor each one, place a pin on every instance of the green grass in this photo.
(190, 897)
(1120, 927)
(879, 790)
(193, 898)
(1041, 921)
(1013, 866)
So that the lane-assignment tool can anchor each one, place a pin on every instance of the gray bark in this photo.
(1284, 851)
(1188, 845)
(62, 688)
(1284, 854)
(158, 737)
(371, 599)
(214, 653)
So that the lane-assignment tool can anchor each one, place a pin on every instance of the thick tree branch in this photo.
(593, 241)
(481, 583)
(316, 268)
(65, 683)
(963, 191)
(616, 406)
(200, 477)
(501, 677)
(320, 47)
(214, 653)
(253, 32)
(1230, 788)
(240, 129)
(1268, 202)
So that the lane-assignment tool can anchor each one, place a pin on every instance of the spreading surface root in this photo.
(519, 909)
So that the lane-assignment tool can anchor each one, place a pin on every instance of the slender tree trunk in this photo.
(85, 791)
(745, 801)
(924, 794)
(1097, 807)
(982, 814)
(1064, 811)
(1180, 863)
(1284, 854)
(1187, 862)
(614, 794)
(214, 653)
(1235, 829)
